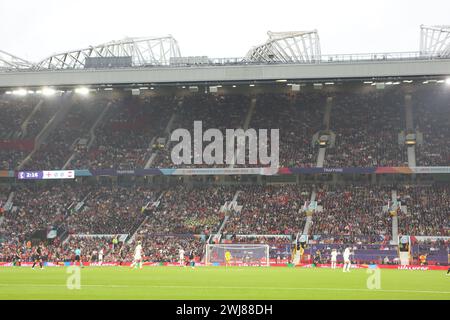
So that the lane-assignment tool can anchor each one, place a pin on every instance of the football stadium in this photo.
(131, 171)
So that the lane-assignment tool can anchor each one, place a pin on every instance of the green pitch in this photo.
(220, 283)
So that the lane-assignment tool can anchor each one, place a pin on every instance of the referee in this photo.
(78, 257)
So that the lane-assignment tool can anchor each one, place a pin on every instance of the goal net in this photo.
(241, 254)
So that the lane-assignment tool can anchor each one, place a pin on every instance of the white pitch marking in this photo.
(202, 287)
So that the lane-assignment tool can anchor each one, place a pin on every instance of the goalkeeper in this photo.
(227, 258)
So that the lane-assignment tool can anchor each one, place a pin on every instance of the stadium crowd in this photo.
(298, 118)
(123, 139)
(173, 217)
(13, 114)
(219, 112)
(367, 127)
(354, 211)
(269, 210)
(20, 122)
(188, 211)
(428, 210)
(45, 111)
(110, 210)
(57, 149)
(167, 218)
(36, 208)
(11, 159)
(432, 118)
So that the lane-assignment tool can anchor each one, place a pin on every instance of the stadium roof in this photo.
(289, 47)
(435, 40)
(292, 46)
(291, 55)
(143, 52)
(11, 62)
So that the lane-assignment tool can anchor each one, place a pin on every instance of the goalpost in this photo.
(241, 254)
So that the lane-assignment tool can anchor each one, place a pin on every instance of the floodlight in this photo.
(48, 91)
(82, 90)
(20, 92)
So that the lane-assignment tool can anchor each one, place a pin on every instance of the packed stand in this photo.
(215, 111)
(41, 117)
(11, 159)
(57, 149)
(431, 109)
(269, 210)
(353, 211)
(123, 140)
(367, 127)
(298, 117)
(110, 210)
(38, 208)
(188, 211)
(13, 114)
(428, 210)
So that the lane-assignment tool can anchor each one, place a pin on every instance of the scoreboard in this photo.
(42, 175)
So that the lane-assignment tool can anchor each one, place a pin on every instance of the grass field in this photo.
(221, 283)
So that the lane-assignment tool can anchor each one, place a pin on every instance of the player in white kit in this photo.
(347, 262)
(100, 256)
(137, 256)
(333, 258)
(181, 257)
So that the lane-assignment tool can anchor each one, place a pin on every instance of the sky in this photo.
(35, 29)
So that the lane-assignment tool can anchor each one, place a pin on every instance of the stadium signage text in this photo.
(213, 153)
(412, 268)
